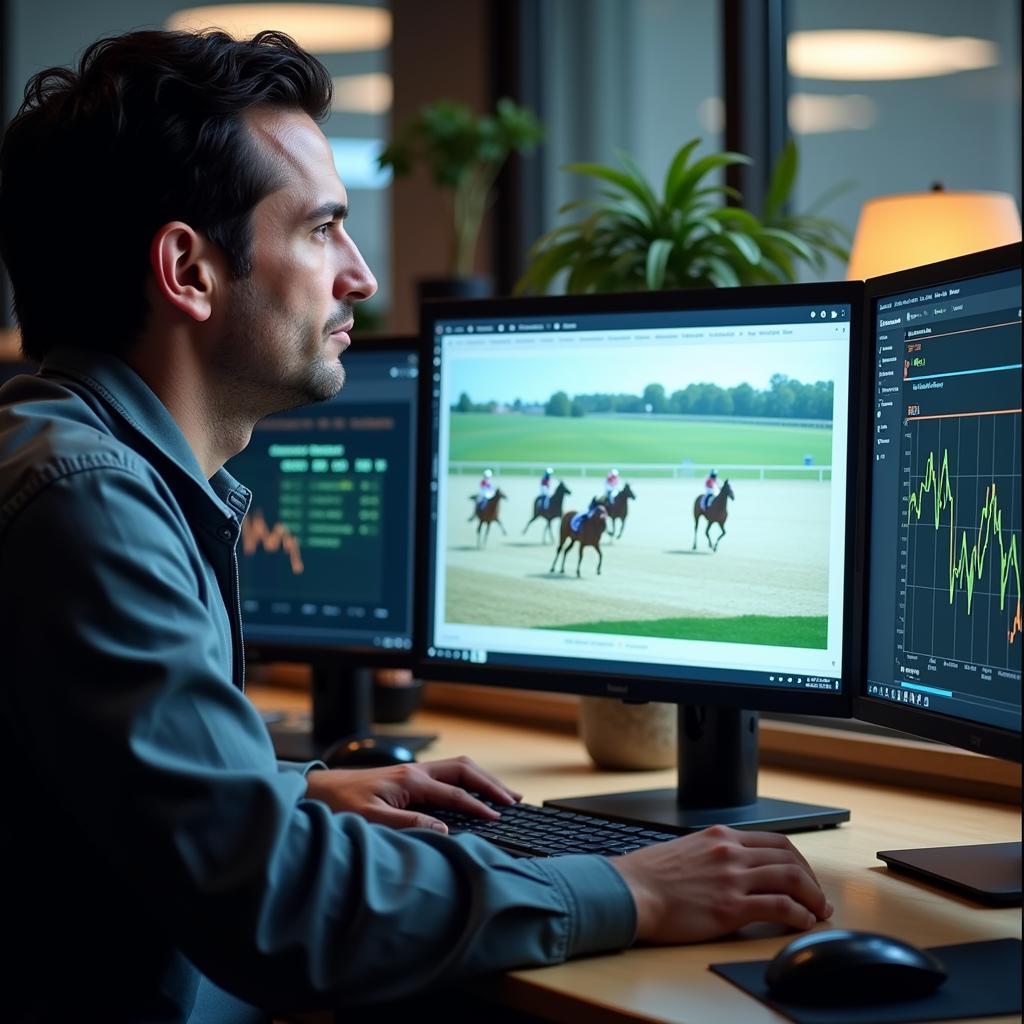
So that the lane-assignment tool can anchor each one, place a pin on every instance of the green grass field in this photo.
(513, 437)
(808, 631)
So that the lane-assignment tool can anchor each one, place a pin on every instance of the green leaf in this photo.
(632, 168)
(546, 266)
(620, 271)
(744, 245)
(678, 166)
(741, 220)
(657, 258)
(721, 273)
(688, 181)
(791, 241)
(781, 183)
(610, 174)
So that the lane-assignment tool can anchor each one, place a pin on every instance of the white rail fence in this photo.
(675, 471)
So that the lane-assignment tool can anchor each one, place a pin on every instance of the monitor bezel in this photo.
(329, 654)
(640, 688)
(930, 725)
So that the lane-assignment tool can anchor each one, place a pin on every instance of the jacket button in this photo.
(225, 533)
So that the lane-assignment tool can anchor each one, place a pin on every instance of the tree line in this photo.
(784, 398)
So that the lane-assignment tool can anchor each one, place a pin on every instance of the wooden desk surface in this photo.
(673, 984)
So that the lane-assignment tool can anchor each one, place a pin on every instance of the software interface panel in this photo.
(325, 553)
(945, 607)
(714, 442)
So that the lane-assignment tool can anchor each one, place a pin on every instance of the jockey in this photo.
(611, 485)
(545, 487)
(710, 488)
(577, 520)
(486, 491)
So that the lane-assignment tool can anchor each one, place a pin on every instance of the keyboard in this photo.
(525, 830)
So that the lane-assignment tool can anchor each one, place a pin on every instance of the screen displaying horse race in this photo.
(655, 492)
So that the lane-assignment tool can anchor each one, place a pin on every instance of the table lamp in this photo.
(910, 230)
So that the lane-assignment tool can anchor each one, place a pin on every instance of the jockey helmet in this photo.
(488, 474)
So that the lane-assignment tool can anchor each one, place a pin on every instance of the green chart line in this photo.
(967, 566)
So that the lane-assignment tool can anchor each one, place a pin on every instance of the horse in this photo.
(553, 511)
(618, 508)
(487, 514)
(716, 512)
(589, 536)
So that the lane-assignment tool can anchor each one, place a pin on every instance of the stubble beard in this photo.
(269, 363)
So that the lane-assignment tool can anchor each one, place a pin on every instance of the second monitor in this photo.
(648, 497)
(325, 558)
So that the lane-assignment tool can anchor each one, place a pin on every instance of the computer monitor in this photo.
(943, 615)
(325, 555)
(728, 610)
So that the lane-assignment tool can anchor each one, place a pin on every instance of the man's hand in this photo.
(383, 795)
(708, 884)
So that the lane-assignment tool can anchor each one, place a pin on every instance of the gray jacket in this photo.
(154, 852)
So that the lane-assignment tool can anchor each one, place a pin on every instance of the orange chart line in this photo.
(962, 415)
(256, 534)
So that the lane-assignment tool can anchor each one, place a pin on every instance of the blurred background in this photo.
(881, 97)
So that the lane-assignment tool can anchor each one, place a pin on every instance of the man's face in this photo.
(287, 323)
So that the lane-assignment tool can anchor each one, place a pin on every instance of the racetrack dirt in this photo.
(772, 561)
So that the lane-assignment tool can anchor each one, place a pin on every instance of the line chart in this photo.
(257, 534)
(962, 529)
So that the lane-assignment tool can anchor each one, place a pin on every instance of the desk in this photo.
(673, 984)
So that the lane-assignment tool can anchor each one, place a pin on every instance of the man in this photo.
(159, 858)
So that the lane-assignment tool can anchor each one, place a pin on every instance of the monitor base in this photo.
(989, 873)
(659, 809)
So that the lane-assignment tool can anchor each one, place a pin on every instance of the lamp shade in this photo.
(896, 232)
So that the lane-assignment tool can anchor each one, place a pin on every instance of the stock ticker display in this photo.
(325, 552)
(947, 478)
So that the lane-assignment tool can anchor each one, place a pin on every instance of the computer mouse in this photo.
(367, 752)
(842, 968)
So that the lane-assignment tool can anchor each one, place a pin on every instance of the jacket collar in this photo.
(132, 400)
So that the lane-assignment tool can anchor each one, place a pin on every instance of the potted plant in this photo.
(633, 238)
(464, 153)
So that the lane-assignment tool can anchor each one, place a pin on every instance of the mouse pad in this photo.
(984, 981)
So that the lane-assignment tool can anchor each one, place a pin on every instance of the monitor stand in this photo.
(342, 710)
(717, 771)
(989, 873)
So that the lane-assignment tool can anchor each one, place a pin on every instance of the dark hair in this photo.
(147, 130)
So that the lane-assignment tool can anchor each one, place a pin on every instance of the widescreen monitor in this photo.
(326, 552)
(943, 610)
(605, 422)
